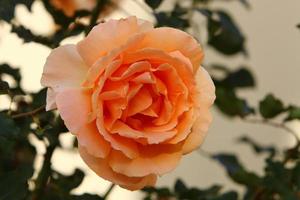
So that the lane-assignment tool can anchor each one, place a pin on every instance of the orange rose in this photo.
(135, 97)
(70, 6)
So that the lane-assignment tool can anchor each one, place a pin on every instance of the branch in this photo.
(30, 113)
(95, 15)
(111, 187)
(43, 177)
(273, 124)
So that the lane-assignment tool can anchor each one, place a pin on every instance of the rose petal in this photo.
(132, 69)
(204, 100)
(151, 137)
(107, 36)
(141, 101)
(89, 137)
(184, 127)
(74, 106)
(155, 159)
(197, 135)
(171, 39)
(64, 68)
(205, 89)
(145, 78)
(127, 146)
(102, 169)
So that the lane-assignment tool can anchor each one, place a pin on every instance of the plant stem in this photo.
(95, 15)
(274, 124)
(111, 187)
(42, 179)
(30, 113)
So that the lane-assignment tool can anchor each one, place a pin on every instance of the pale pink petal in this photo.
(184, 127)
(64, 68)
(170, 39)
(151, 137)
(141, 101)
(115, 93)
(109, 35)
(127, 146)
(102, 169)
(197, 135)
(145, 78)
(205, 88)
(177, 54)
(155, 159)
(205, 98)
(132, 69)
(74, 106)
(89, 137)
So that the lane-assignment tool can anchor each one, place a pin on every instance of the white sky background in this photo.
(273, 42)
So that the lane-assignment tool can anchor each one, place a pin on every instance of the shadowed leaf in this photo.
(270, 107)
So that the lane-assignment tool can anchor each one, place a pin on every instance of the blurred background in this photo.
(272, 44)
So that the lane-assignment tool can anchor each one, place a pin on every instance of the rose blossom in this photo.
(70, 6)
(135, 97)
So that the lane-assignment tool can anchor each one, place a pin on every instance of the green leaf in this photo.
(270, 107)
(231, 105)
(257, 147)
(153, 3)
(224, 34)
(67, 183)
(180, 187)
(13, 184)
(159, 192)
(8, 128)
(240, 78)
(296, 176)
(86, 197)
(4, 87)
(227, 196)
(7, 8)
(293, 113)
(177, 18)
(39, 98)
(195, 193)
(277, 180)
(236, 171)
(14, 73)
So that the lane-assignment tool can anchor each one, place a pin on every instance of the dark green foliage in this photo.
(230, 104)
(183, 192)
(226, 91)
(153, 3)
(258, 148)
(224, 34)
(13, 184)
(85, 197)
(239, 79)
(293, 113)
(177, 18)
(8, 127)
(68, 182)
(14, 73)
(4, 87)
(7, 8)
(236, 171)
(270, 107)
